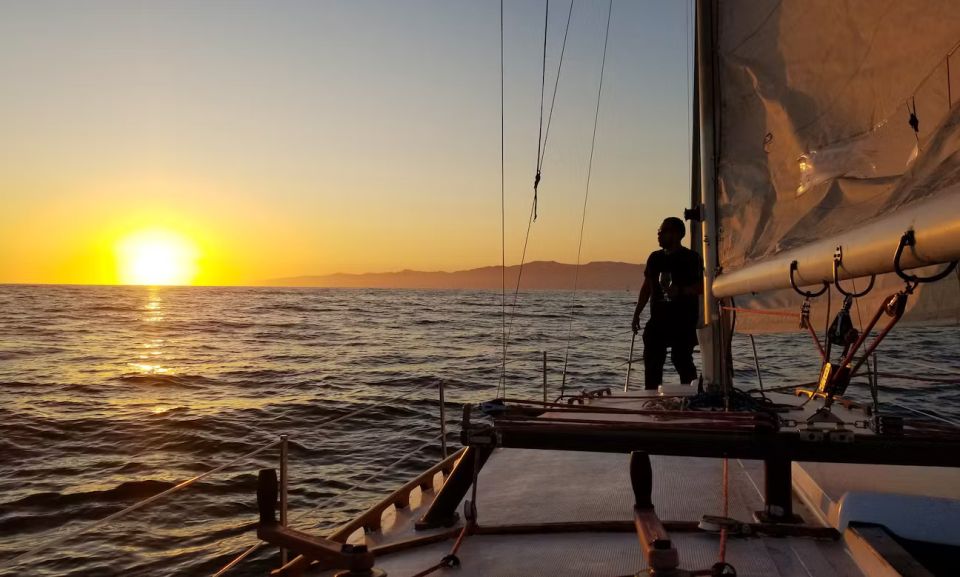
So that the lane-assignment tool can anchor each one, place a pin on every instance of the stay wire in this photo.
(543, 83)
(586, 196)
(516, 292)
(686, 80)
(556, 85)
(503, 222)
(541, 153)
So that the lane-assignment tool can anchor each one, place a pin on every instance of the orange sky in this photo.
(329, 137)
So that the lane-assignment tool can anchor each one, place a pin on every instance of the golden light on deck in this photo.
(156, 257)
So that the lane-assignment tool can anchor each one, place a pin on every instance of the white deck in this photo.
(525, 486)
(532, 486)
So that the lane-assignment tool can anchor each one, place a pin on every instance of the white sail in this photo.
(814, 100)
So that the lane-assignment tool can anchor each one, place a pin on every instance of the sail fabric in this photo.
(814, 106)
(815, 98)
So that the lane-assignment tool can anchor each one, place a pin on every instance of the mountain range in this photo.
(537, 275)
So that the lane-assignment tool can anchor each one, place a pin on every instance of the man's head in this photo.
(671, 232)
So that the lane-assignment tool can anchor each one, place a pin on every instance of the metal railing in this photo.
(441, 385)
(253, 548)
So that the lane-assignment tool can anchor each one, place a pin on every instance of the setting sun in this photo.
(156, 257)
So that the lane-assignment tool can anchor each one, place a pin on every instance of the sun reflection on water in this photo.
(150, 353)
(153, 309)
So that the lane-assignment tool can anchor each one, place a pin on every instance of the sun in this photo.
(156, 257)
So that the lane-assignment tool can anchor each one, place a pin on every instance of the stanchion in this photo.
(443, 422)
(544, 376)
(284, 480)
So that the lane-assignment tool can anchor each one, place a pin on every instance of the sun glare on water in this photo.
(156, 257)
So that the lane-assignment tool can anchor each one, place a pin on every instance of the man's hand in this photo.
(645, 291)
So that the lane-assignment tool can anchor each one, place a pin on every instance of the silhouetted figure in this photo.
(673, 280)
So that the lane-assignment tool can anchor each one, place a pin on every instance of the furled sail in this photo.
(817, 105)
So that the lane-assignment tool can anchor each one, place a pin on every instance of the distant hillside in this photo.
(539, 275)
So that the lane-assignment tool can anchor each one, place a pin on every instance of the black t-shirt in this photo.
(683, 268)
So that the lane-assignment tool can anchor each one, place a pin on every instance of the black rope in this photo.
(542, 147)
(541, 153)
(543, 83)
(586, 196)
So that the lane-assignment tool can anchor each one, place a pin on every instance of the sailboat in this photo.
(826, 138)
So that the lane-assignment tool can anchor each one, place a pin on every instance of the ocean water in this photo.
(109, 395)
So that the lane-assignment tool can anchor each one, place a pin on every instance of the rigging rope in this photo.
(726, 510)
(545, 134)
(586, 196)
(541, 153)
(543, 83)
(503, 222)
(556, 84)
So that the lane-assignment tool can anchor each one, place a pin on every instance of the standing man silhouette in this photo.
(673, 280)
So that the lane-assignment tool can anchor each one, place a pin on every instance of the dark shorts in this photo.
(671, 331)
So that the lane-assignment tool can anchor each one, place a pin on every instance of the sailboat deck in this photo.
(523, 486)
(533, 487)
(539, 486)
(614, 554)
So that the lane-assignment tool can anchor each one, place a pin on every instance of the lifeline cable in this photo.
(349, 489)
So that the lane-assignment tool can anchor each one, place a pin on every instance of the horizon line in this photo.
(265, 283)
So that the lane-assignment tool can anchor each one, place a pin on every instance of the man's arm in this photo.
(642, 300)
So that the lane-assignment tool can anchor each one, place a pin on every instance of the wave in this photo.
(250, 364)
(160, 380)
(126, 491)
(31, 352)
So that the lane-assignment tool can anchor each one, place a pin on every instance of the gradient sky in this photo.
(292, 138)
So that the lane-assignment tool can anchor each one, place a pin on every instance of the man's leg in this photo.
(682, 356)
(654, 355)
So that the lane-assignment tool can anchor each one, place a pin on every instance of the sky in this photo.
(283, 138)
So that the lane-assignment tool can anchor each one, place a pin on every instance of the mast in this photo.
(711, 336)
